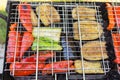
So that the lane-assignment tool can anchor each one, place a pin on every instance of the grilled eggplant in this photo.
(34, 18)
(89, 67)
(88, 30)
(48, 14)
(94, 50)
(83, 13)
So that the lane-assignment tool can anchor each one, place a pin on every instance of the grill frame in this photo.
(7, 40)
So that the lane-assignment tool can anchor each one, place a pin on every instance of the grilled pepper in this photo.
(27, 41)
(43, 56)
(13, 26)
(24, 11)
(117, 15)
(110, 16)
(57, 67)
(14, 43)
(116, 43)
(24, 69)
(45, 43)
(27, 65)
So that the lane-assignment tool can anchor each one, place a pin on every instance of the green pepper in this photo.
(45, 43)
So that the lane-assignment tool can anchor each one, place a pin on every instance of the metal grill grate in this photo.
(72, 49)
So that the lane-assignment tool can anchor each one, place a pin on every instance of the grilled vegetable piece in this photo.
(48, 14)
(27, 66)
(45, 44)
(89, 67)
(13, 26)
(24, 11)
(49, 38)
(27, 41)
(43, 56)
(117, 15)
(116, 43)
(110, 16)
(94, 50)
(51, 33)
(24, 69)
(83, 13)
(14, 43)
(88, 30)
(57, 67)
(34, 18)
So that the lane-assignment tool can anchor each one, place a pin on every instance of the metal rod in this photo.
(15, 46)
(83, 68)
(38, 41)
(101, 49)
(66, 26)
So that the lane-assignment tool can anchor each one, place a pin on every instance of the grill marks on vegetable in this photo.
(89, 30)
(48, 14)
(25, 16)
(84, 13)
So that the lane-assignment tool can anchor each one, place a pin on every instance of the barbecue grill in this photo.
(72, 49)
